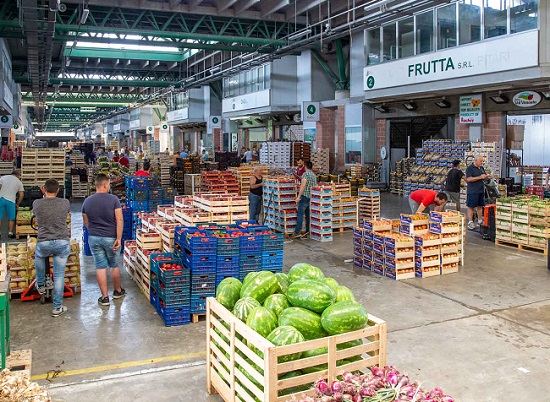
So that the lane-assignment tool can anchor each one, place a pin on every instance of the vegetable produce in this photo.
(261, 285)
(344, 293)
(311, 294)
(305, 321)
(304, 271)
(332, 283)
(228, 292)
(262, 320)
(283, 282)
(276, 303)
(248, 278)
(286, 335)
(243, 307)
(345, 316)
(312, 353)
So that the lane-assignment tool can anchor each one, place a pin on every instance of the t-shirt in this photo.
(124, 161)
(100, 210)
(475, 187)
(454, 176)
(11, 185)
(141, 173)
(116, 158)
(300, 172)
(184, 155)
(51, 216)
(424, 197)
(311, 181)
(248, 156)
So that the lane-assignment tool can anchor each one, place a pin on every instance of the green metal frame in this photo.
(340, 80)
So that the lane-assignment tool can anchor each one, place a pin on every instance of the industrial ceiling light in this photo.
(499, 99)
(382, 108)
(299, 34)
(410, 105)
(84, 17)
(443, 104)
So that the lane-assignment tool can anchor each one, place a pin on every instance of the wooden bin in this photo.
(224, 357)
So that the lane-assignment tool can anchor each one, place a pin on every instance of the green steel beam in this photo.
(83, 98)
(100, 82)
(125, 54)
(326, 68)
(343, 82)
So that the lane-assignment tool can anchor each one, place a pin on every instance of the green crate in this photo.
(4, 328)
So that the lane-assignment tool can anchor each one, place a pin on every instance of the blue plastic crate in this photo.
(137, 183)
(199, 263)
(229, 263)
(172, 296)
(157, 259)
(198, 303)
(228, 246)
(272, 259)
(169, 193)
(156, 194)
(174, 315)
(153, 205)
(251, 243)
(153, 296)
(273, 241)
(141, 206)
(196, 244)
(220, 277)
(137, 195)
(250, 262)
(203, 284)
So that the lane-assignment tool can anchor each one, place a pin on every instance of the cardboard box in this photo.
(515, 133)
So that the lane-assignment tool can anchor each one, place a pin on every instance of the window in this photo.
(373, 46)
(425, 32)
(354, 145)
(389, 42)
(253, 80)
(446, 26)
(406, 37)
(135, 114)
(496, 18)
(469, 21)
(523, 15)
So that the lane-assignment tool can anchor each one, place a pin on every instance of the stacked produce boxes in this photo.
(344, 207)
(321, 214)
(279, 201)
(148, 242)
(414, 224)
(321, 160)
(219, 181)
(368, 204)
(427, 255)
(276, 154)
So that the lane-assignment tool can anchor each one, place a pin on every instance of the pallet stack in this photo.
(114, 145)
(321, 214)
(414, 224)
(344, 207)
(18, 265)
(276, 154)
(148, 243)
(6, 167)
(279, 201)
(427, 255)
(38, 165)
(79, 188)
(204, 208)
(300, 150)
(449, 225)
(165, 164)
(219, 181)
(356, 172)
(321, 160)
(368, 204)
(243, 174)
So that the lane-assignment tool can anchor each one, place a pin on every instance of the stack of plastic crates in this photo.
(168, 195)
(321, 214)
(227, 256)
(197, 249)
(170, 289)
(86, 245)
(127, 216)
(137, 193)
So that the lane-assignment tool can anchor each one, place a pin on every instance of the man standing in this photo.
(475, 191)
(256, 193)
(184, 154)
(102, 215)
(304, 194)
(10, 187)
(300, 169)
(146, 169)
(53, 240)
(124, 160)
(420, 201)
(452, 184)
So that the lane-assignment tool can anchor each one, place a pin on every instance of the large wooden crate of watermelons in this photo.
(244, 366)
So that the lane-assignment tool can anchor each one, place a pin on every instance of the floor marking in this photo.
(523, 370)
(120, 365)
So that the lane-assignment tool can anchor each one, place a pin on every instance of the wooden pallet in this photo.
(198, 317)
(524, 247)
(20, 362)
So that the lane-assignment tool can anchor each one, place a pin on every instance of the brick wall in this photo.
(325, 132)
(462, 131)
(217, 139)
(341, 128)
(492, 127)
(380, 137)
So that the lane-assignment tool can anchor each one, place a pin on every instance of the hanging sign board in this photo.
(310, 111)
(470, 109)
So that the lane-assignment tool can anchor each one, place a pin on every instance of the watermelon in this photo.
(244, 307)
(343, 293)
(228, 292)
(305, 321)
(262, 285)
(297, 388)
(304, 271)
(262, 320)
(315, 352)
(247, 375)
(276, 303)
(345, 316)
(286, 335)
(247, 279)
(313, 295)
(283, 281)
(347, 345)
(332, 283)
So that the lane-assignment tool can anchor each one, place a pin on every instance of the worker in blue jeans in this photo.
(53, 240)
(256, 193)
(304, 195)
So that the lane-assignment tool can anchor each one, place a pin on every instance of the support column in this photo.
(341, 136)
(217, 139)
(462, 131)
(325, 129)
(380, 138)
(493, 128)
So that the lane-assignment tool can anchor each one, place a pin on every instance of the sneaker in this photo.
(471, 225)
(11, 235)
(103, 301)
(118, 295)
(41, 289)
(480, 223)
(305, 235)
(56, 312)
(295, 235)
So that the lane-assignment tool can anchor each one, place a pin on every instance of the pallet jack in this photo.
(31, 294)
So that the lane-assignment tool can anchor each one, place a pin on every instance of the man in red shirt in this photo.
(300, 169)
(116, 157)
(420, 200)
(124, 160)
(145, 170)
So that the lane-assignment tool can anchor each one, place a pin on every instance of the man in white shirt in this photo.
(10, 189)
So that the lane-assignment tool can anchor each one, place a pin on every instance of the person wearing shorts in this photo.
(452, 183)
(102, 215)
(475, 191)
(10, 189)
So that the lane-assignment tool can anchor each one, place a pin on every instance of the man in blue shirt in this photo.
(475, 191)
(184, 154)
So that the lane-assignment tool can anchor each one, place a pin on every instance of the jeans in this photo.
(60, 250)
(102, 251)
(414, 206)
(255, 206)
(303, 208)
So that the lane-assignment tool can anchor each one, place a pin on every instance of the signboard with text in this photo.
(310, 111)
(470, 109)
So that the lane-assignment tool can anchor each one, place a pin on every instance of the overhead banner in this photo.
(470, 109)
(503, 54)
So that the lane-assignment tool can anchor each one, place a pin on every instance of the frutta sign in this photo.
(470, 109)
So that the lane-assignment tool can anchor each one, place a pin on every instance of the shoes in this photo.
(56, 312)
(41, 289)
(103, 301)
(118, 295)
(304, 235)
(480, 223)
(471, 225)
(295, 235)
(11, 235)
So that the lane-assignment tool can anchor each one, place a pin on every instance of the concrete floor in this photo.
(482, 334)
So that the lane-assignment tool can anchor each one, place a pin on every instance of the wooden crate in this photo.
(19, 362)
(225, 351)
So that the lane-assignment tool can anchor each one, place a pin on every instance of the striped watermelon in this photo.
(312, 353)
(297, 388)
(347, 345)
(283, 281)
(286, 335)
(304, 271)
(244, 307)
(332, 283)
(248, 278)
(344, 317)
(228, 292)
(344, 293)
(262, 320)
(261, 285)
(313, 295)
(276, 303)
(305, 321)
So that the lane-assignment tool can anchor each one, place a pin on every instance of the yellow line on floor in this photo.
(119, 365)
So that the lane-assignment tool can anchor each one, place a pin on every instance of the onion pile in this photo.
(380, 385)
(16, 388)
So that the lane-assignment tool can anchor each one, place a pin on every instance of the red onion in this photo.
(336, 386)
(338, 397)
(350, 389)
(436, 393)
(357, 398)
(392, 379)
(365, 392)
(346, 397)
(323, 387)
(377, 371)
(403, 381)
(447, 399)
(347, 376)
